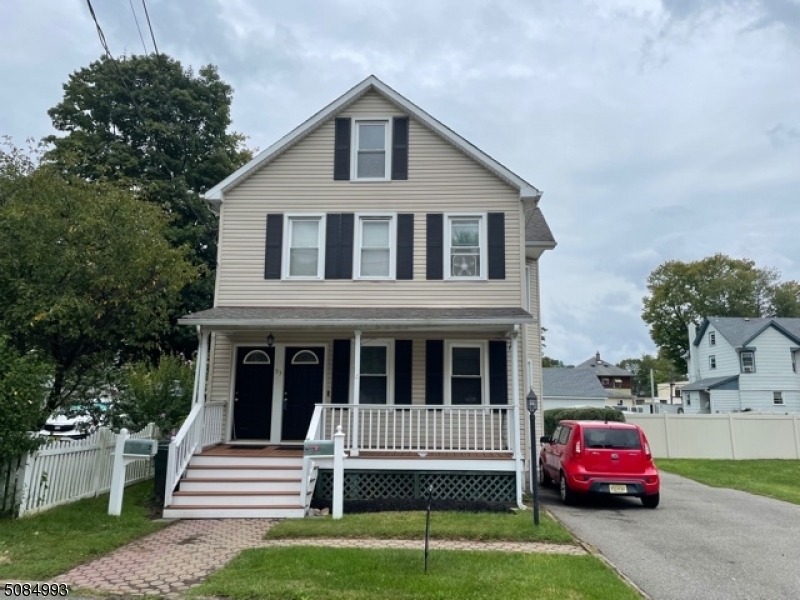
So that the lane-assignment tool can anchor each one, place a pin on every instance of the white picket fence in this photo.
(721, 436)
(63, 472)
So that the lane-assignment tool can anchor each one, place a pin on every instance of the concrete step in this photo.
(287, 511)
(242, 484)
(286, 496)
(239, 471)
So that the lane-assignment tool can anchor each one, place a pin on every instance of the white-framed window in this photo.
(371, 150)
(256, 357)
(465, 246)
(376, 246)
(304, 247)
(466, 376)
(777, 397)
(712, 338)
(712, 362)
(376, 384)
(748, 360)
(618, 384)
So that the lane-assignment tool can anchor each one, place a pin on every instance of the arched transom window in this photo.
(256, 357)
(305, 357)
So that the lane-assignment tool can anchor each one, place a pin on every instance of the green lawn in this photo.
(779, 479)
(305, 573)
(46, 544)
(411, 525)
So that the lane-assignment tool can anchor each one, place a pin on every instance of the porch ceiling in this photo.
(400, 317)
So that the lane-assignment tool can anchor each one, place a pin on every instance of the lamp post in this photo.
(532, 403)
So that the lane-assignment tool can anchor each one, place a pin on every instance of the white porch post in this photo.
(356, 393)
(515, 400)
(201, 368)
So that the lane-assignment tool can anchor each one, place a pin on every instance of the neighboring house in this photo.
(567, 387)
(616, 381)
(670, 393)
(739, 364)
(376, 272)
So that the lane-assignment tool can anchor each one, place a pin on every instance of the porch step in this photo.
(239, 471)
(239, 484)
(206, 460)
(183, 499)
(277, 511)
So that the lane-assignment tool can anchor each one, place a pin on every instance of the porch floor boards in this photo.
(266, 450)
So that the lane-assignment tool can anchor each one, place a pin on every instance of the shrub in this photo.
(554, 415)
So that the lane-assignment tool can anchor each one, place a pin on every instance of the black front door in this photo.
(304, 373)
(252, 398)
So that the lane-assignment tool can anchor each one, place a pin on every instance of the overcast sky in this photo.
(656, 129)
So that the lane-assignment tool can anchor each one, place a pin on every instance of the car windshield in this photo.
(612, 438)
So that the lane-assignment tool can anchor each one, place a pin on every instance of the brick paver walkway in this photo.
(169, 562)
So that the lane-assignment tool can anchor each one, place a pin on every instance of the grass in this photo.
(46, 544)
(305, 573)
(779, 479)
(411, 525)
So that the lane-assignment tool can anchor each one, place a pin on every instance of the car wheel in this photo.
(567, 495)
(651, 501)
(544, 478)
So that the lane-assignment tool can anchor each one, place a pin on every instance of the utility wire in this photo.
(147, 14)
(139, 29)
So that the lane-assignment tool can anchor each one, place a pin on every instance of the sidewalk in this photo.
(169, 562)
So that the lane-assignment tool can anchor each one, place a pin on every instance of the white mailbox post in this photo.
(126, 450)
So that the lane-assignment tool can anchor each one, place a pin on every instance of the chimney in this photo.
(597, 356)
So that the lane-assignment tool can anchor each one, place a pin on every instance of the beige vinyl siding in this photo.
(441, 179)
(220, 386)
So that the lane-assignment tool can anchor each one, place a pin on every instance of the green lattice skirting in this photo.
(413, 485)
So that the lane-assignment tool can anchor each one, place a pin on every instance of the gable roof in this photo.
(537, 231)
(602, 368)
(215, 194)
(741, 331)
(571, 383)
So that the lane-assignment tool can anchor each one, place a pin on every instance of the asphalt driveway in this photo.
(701, 542)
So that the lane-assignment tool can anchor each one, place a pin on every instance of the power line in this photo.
(139, 29)
(147, 14)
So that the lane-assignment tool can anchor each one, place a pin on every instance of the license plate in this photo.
(618, 489)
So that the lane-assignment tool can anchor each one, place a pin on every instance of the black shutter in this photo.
(434, 372)
(340, 379)
(274, 246)
(346, 246)
(339, 246)
(497, 245)
(435, 247)
(498, 373)
(400, 148)
(402, 372)
(332, 246)
(341, 150)
(405, 246)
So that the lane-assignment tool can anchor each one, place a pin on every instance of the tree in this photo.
(86, 273)
(681, 293)
(162, 131)
(22, 392)
(663, 372)
(552, 362)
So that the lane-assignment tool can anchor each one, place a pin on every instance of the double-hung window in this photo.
(375, 385)
(466, 365)
(304, 247)
(748, 360)
(465, 247)
(371, 150)
(375, 244)
(777, 397)
(712, 362)
(712, 338)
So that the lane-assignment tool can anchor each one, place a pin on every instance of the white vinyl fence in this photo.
(65, 471)
(723, 436)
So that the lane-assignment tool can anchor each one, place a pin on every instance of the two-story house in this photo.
(378, 273)
(740, 364)
(617, 382)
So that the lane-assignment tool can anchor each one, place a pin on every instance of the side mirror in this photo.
(545, 439)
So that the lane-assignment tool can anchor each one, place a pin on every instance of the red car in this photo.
(599, 457)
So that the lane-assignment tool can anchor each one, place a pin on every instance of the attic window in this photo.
(712, 338)
(371, 150)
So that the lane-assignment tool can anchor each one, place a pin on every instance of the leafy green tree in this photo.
(684, 292)
(168, 144)
(160, 394)
(22, 394)
(86, 273)
(552, 362)
(663, 372)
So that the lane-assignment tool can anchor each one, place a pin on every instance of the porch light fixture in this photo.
(532, 402)
(270, 340)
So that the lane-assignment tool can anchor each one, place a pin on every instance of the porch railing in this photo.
(423, 428)
(213, 418)
(181, 449)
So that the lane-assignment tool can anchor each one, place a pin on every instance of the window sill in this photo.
(370, 180)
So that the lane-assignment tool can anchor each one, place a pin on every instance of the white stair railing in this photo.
(308, 463)
(181, 449)
(213, 419)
